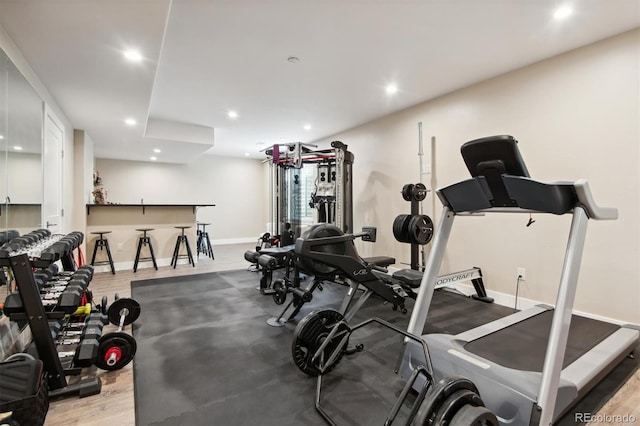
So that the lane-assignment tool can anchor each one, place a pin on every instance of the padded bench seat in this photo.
(278, 251)
(382, 261)
(410, 277)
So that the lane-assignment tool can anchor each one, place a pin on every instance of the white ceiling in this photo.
(203, 58)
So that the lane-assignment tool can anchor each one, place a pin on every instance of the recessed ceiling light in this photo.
(157, 151)
(1, 137)
(391, 89)
(153, 158)
(307, 126)
(247, 154)
(130, 122)
(17, 148)
(562, 12)
(293, 59)
(232, 114)
(132, 55)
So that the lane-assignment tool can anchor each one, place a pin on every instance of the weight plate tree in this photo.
(415, 229)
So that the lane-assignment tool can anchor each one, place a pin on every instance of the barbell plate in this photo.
(470, 415)
(309, 335)
(398, 224)
(419, 192)
(118, 306)
(420, 229)
(454, 403)
(123, 344)
(407, 191)
(280, 292)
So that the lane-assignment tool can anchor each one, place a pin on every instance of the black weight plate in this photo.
(455, 402)
(437, 396)
(470, 415)
(118, 306)
(309, 335)
(103, 305)
(420, 229)
(419, 192)
(397, 227)
(280, 292)
(121, 343)
(406, 237)
(407, 191)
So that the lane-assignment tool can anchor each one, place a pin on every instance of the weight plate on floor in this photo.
(420, 229)
(309, 335)
(470, 415)
(123, 306)
(280, 292)
(115, 350)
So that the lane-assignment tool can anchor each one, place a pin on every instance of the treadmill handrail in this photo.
(586, 200)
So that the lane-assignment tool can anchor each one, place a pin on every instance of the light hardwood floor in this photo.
(116, 405)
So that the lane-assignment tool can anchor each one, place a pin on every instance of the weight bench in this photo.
(328, 254)
(268, 260)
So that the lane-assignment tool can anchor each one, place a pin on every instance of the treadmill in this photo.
(532, 366)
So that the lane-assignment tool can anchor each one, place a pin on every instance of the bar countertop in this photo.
(144, 206)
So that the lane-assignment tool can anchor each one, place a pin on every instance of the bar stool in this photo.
(103, 243)
(204, 244)
(182, 238)
(144, 240)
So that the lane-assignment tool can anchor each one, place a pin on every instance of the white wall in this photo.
(576, 116)
(20, 62)
(234, 185)
(24, 174)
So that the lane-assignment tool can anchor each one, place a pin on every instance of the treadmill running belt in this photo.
(522, 346)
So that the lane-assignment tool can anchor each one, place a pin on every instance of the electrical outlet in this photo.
(522, 273)
(119, 247)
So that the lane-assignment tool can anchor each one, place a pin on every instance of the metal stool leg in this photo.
(209, 247)
(153, 256)
(176, 250)
(113, 269)
(135, 264)
(191, 261)
(95, 251)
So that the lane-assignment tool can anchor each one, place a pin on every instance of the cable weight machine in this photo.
(310, 186)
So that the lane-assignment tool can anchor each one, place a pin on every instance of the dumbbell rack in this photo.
(22, 264)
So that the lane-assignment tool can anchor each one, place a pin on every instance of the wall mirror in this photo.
(21, 181)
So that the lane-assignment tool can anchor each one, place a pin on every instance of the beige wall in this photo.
(234, 185)
(576, 116)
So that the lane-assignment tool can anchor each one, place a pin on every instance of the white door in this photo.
(52, 172)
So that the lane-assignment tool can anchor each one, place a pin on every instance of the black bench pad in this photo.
(410, 277)
(383, 261)
(278, 252)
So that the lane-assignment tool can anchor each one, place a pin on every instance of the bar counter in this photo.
(123, 220)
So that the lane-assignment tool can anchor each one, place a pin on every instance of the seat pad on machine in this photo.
(382, 261)
(410, 277)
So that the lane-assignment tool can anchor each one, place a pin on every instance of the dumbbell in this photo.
(117, 349)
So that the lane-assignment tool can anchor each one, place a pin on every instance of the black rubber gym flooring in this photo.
(207, 357)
